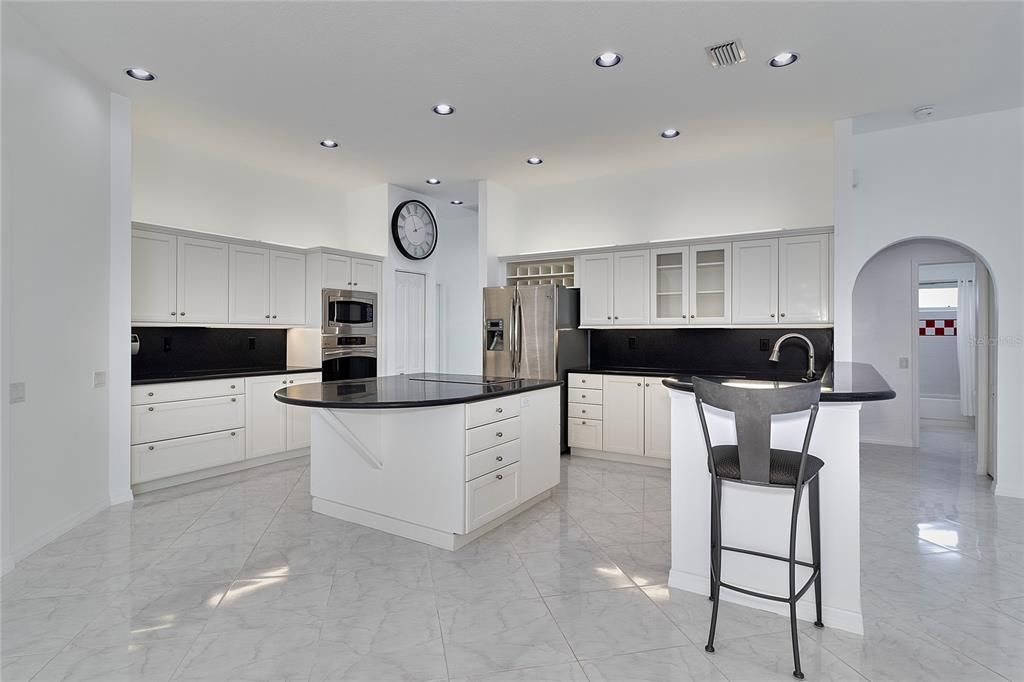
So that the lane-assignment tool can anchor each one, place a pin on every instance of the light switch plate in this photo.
(99, 379)
(18, 392)
(904, 363)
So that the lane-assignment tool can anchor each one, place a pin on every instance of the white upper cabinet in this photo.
(670, 283)
(287, 288)
(632, 288)
(623, 413)
(250, 285)
(597, 289)
(154, 277)
(365, 274)
(337, 271)
(202, 280)
(755, 281)
(804, 279)
(710, 283)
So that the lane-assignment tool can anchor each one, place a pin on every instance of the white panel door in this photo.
(632, 280)
(410, 333)
(710, 283)
(202, 281)
(297, 417)
(287, 288)
(337, 272)
(250, 285)
(657, 418)
(154, 275)
(265, 416)
(670, 284)
(804, 279)
(365, 274)
(623, 414)
(755, 281)
(596, 288)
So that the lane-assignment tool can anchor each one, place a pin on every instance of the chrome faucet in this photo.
(774, 357)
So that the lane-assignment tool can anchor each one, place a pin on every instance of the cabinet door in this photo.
(596, 289)
(657, 418)
(491, 495)
(365, 274)
(287, 288)
(297, 418)
(623, 411)
(710, 283)
(804, 279)
(337, 272)
(154, 275)
(265, 416)
(670, 284)
(632, 287)
(755, 281)
(250, 285)
(202, 281)
(540, 438)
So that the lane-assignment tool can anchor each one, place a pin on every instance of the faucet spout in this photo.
(774, 357)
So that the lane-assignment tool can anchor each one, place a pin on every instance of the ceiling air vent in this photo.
(726, 54)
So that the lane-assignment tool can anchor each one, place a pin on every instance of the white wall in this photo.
(885, 330)
(186, 187)
(56, 240)
(779, 187)
(958, 179)
(500, 231)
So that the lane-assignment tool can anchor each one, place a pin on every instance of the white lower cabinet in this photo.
(657, 419)
(161, 421)
(630, 415)
(585, 433)
(491, 495)
(623, 414)
(153, 461)
(265, 416)
(297, 418)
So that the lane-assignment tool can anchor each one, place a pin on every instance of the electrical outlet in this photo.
(763, 345)
(99, 379)
(167, 344)
(904, 363)
(18, 392)
(633, 342)
(252, 343)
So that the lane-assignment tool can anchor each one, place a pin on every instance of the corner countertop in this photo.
(199, 375)
(406, 391)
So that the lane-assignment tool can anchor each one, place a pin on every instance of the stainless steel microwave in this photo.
(347, 312)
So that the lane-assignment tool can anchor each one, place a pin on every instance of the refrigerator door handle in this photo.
(512, 332)
(519, 334)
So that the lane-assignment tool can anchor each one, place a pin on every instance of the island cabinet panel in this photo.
(490, 496)
(153, 461)
(540, 441)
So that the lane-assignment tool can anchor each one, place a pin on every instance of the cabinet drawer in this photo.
(487, 411)
(584, 381)
(186, 390)
(483, 437)
(490, 496)
(305, 378)
(486, 461)
(584, 411)
(590, 396)
(181, 455)
(186, 418)
(586, 433)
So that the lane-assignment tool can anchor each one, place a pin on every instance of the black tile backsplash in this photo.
(720, 350)
(175, 351)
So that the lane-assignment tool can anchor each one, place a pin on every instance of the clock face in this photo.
(414, 230)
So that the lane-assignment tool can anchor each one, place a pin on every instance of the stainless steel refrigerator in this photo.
(532, 332)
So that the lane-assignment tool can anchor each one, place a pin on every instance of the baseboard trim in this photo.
(233, 467)
(841, 619)
(1003, 490)
(616, 457)
(68, 523)
(883, 441)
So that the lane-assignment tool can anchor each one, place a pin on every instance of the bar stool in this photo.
(752, 461)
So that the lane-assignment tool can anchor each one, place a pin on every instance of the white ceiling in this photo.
(264, 82)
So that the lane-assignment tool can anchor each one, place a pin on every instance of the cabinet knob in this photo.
(274, 316)
(232, 386)
(499, 458)
(772, 315)
(182, 314)
(584, 423)
(583, 395)
(355, 284)
(691, 317)
(151, 409)
(232, 433)
(498, 476)
(583, 411)
(583, 381)
(173, 313)
(498, 410)
(150, 394)
(500, 434)
(609, 317)
(638, 383)
(285, 382)
(150, 447)
(782, 314)
(291, 381)
(616, 317)
(647, 385)
(234, 400)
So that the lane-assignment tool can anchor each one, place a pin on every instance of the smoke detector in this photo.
(726, 54)
(924, 113)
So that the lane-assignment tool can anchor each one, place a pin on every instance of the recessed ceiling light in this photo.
(925, 112)
(329, 144)
(535, 161)
(669, 133)
(783, 59)
(608, 59)
(456, 202)
(433, 181)
(140, 74)
(444, 110)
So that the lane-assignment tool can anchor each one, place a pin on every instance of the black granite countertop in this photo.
(843, 382)
(199, 375)
(406, 390)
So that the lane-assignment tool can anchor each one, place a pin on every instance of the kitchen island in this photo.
(757, 517)
(438, 458)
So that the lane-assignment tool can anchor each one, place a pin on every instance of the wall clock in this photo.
(414, 230)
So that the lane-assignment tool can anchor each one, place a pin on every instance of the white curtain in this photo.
(966, 350)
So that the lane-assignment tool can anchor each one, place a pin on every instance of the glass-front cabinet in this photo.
(670, 284)
(710, 283)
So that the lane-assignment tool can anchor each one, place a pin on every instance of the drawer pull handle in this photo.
(292, 381)
(583, 381)
(584, 423)
(182, 314)
(232, 385)
(232, 433)
(583, 395)
(499, 410)
(638, 383)
(150, 447)
(500, 434)
(275, 317)
(498, 477)
(150, 394)
(151, 409)
(173, 313)
(500, 458)
(583, 411)
(234, 400)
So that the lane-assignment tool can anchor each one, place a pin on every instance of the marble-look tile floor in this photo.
(236, 579)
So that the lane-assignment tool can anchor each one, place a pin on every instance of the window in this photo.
(940, 296)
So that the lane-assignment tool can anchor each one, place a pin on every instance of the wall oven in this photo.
(349, 313)
(348, 357)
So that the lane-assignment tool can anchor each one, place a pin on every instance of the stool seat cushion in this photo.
(783, 469)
